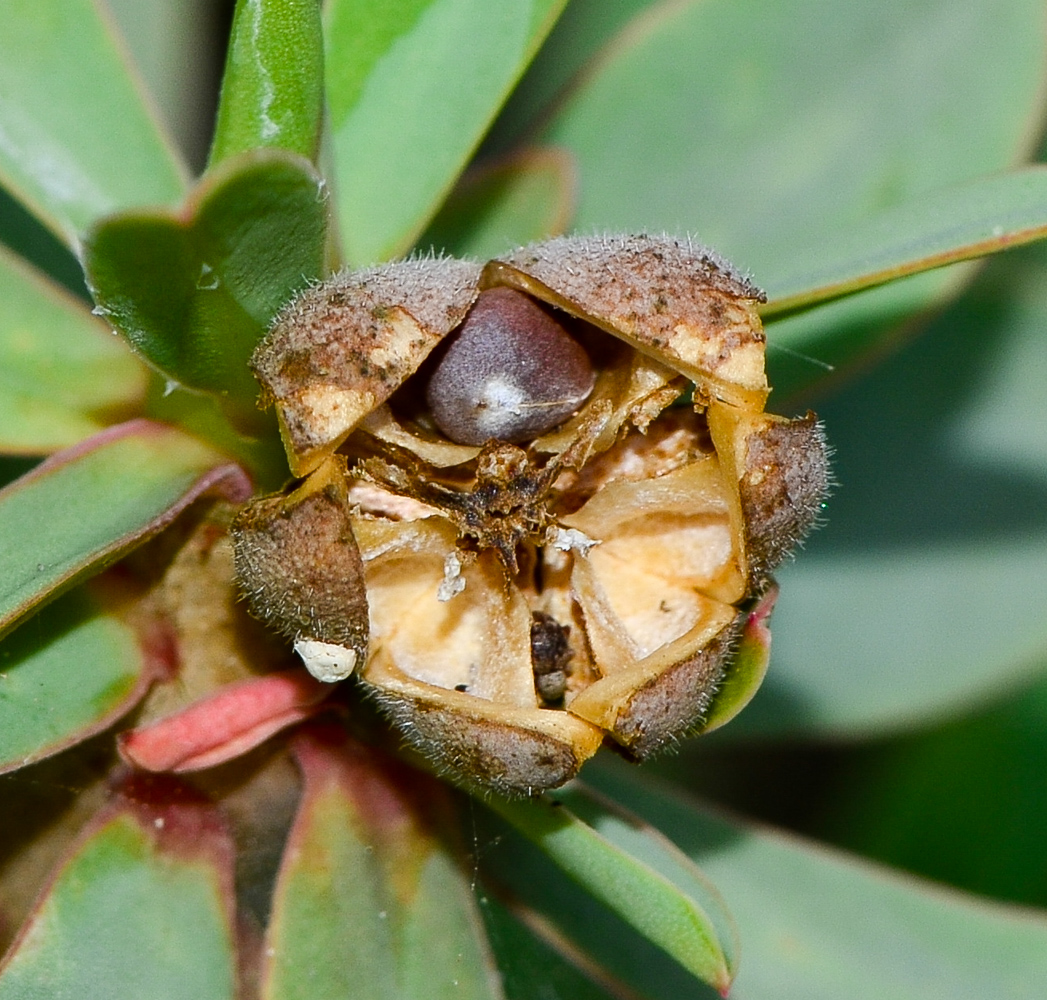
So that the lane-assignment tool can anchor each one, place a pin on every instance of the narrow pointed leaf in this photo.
(409, 100)
(63, 375)
(194, 291)
(657, 892)
(398, 917)
(70, 672)
(141, 908)
(958, 223)
(85, 507)
(830, 341)
(78, 139)
(532, 965)
(524, 198)
(272, 89)
(819, 925)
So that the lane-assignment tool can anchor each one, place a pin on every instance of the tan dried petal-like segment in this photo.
(657, 594)
(675, 301)
(342, 348)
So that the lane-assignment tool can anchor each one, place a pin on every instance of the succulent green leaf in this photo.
(767, 129)
(834, 338)
(636, 873)
(85, 507)
(398, 919)
(78, 138)
(272, 90)
(195, 291)
(820, 925)
(66, 675)
(922, 595)
(63, 375)
(203, 416)
(971, 220)
(927, 802)
(532, 965)
(497, 208)
(581, 32)
(141, 908)
(411, 88)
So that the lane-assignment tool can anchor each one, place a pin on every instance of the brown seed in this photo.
(550, 657)
(511, 373)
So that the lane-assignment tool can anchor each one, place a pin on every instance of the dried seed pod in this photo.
(532, 588)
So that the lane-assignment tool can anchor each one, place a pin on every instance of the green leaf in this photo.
(85, 507)
(929, 802)
(955, 224)
(921, 594)
(195, 291)
(262, 455)
(832, 339)
(531, 966)
(637, 874)
(177, 49)
(141, 908)
(66, 675)
(767, 129)
(63, 375)
(504, 205)
(819, 925)
(981, 217)
(398, 919)
(272, 90)
(409, 99)
(583, 29)
(79, 139)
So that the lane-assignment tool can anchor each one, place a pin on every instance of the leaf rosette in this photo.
(506, 524)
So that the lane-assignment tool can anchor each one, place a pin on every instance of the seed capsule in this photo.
(511, 372)
(586, 576)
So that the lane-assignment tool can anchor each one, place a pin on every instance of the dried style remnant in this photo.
(506, 529)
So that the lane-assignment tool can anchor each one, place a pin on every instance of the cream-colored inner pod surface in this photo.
(665, 561)
(476, 641)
